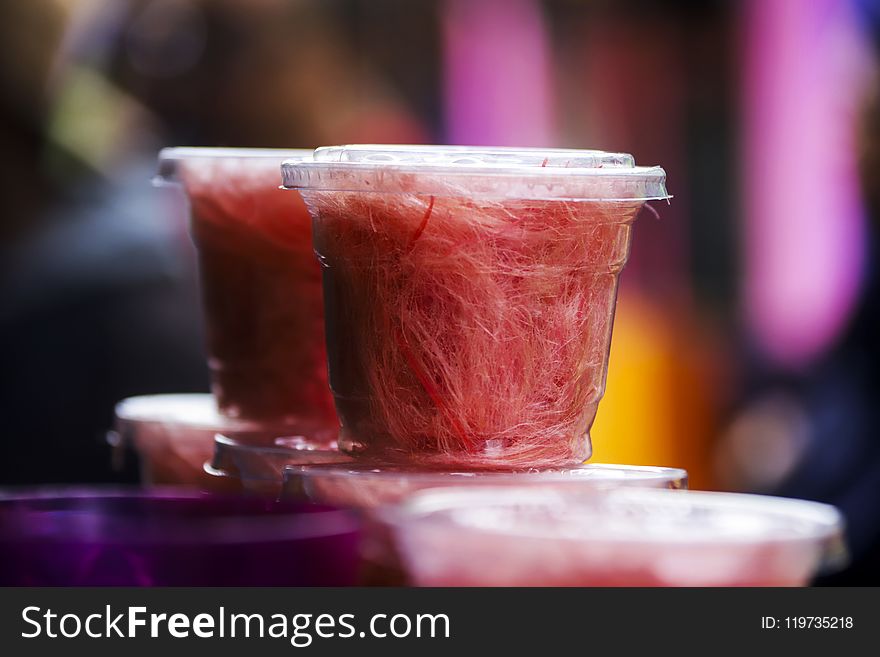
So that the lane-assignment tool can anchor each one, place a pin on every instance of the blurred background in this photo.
(746, 339)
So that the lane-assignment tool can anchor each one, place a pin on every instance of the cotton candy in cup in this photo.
(112, 537)
(368, 488)
(260, 283)
(469, 296)
(257, 469)
(619, 537)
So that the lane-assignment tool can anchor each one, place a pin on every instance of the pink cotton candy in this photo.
(467, 332)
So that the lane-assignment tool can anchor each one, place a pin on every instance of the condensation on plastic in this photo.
(620, 537)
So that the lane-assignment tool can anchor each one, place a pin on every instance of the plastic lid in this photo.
(524, 173)
(190, 410)
(359, 484)
(472, 155)
(192, 416)
(619, 537)
(630, 515)
(233, 458)
(170, 159)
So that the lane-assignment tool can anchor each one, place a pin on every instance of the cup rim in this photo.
(483, 171)
(228, 452)
(372, 471)
(170, 158)
(821, 524)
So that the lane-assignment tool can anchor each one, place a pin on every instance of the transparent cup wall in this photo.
(621, 537)
(259, 469)
(367, 486)
(469, 296)
(261, 287)
(172, 435)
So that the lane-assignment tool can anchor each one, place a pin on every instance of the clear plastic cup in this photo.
(369, 488)
(619, 537)
(469, 295)
(259, 469)
(261, 285)
(174, 436)
(106, 537)
(366, 486)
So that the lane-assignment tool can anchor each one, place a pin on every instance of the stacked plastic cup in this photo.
(457, 321)
(270, 406)
(617, 537)
(469, 296)
(261, 286)
(173, 436)
(262, 301)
